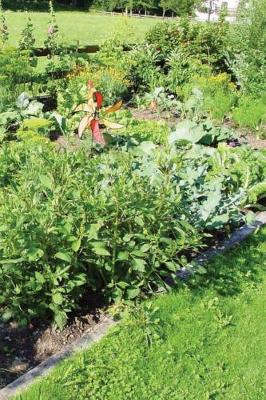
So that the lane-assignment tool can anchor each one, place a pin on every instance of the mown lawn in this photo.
(87, 28)
(206, 341)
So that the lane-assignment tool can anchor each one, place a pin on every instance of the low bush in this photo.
(146, 130)
(72, 224)
(246, 45)
(182, 69)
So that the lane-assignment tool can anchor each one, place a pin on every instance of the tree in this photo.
(178, 7)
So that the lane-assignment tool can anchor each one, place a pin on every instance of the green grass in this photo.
(210, 343)
(87, 28)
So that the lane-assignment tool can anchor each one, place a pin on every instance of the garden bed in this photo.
(22, 348)
(158, 333)
(97, 197)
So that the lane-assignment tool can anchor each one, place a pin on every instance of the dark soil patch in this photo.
(23, 348)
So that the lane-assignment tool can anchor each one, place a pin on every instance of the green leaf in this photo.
(201, 270)
(122, 255)
(7, 315)
(57, 298)
(46, 181)
(39, 277)
(60, 319)
(93, 231)
(34, 254)
(139, 221)
(76, 245)
(187, 131)
(133, 293)
(3, 228)
(99, 249)
(63, 256)
(139, 264)
(12, 261)
(145, 247)
(171, 266)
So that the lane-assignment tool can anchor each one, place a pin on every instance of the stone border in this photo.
(236, 237)
(86, 341)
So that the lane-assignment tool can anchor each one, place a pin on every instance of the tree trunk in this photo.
(126, 11)
(164, 11)
(209, 10)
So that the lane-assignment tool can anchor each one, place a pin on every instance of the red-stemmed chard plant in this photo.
(92, 119)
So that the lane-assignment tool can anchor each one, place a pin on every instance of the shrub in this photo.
(72, 223)
(247, 47)
(182, 69)
(207, 42)
(117, 222)
(141, 68)
(15, 72)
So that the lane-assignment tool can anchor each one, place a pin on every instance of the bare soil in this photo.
(255, 142)
(23, 348)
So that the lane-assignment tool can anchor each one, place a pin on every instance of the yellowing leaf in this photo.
(84, 124)
(115, 107)
(111, 125)
(84, 107)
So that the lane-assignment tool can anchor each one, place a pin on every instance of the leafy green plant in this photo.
(75, 236)
(207, 42)
(15, 71)
(146, 130)
(182, 67)
(246, 52)
(189, 131)
(52, 40)
(250, 112)
(4, 34)
(27, 39)
(218, 94)
(141, 68)
(257, 193)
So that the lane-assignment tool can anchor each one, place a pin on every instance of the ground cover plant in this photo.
(205, 340)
